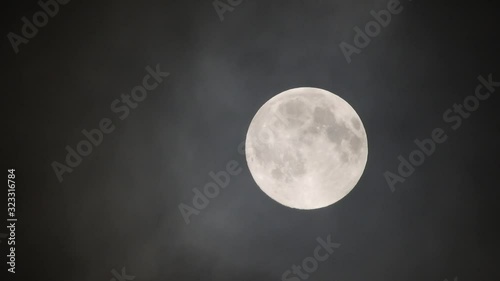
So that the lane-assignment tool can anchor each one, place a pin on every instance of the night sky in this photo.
(119, 207)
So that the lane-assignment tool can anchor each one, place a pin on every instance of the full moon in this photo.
(306, 148)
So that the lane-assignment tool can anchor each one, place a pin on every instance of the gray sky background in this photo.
(119, 208)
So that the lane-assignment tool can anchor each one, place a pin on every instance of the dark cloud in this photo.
(119, 208)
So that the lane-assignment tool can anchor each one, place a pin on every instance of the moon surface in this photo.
(306, 148)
